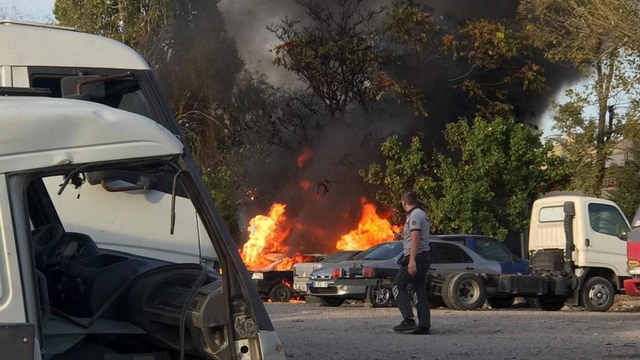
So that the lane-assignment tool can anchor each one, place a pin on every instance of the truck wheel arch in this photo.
(603, 272)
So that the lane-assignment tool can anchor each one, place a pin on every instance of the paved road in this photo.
(353, 332)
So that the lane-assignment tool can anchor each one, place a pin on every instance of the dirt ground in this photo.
(356, 332)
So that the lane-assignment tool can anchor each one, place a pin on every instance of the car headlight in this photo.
(257, 276)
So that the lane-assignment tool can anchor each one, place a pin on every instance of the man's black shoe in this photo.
(421, 331)
(406, 325)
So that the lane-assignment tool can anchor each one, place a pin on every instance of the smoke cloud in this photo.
(340, 149)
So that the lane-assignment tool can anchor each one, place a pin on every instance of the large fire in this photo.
(266, 248)
(371, 230)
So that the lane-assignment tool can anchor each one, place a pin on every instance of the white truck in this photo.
(104, 219)
(577, 249)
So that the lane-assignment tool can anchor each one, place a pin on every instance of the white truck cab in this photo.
(577, 248)
(50, 61)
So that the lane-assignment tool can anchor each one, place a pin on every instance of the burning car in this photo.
(302, 271)
(277, 285)
(320, 283)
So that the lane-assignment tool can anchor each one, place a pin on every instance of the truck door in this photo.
(605, 241)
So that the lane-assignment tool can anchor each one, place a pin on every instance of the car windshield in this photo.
(338, 257)
(384, 251)
(492, 249)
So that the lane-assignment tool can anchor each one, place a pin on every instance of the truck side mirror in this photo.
(620, 232)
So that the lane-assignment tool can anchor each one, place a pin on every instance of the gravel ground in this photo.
(356, 332)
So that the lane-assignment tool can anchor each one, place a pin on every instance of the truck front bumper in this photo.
(632, 287)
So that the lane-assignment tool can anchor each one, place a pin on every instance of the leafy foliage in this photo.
(503, 166)
(560, 29)
(342, 56)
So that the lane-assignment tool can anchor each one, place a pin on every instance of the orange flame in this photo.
(265, 247)
(304, 157)
(371, 230)
(305, 184)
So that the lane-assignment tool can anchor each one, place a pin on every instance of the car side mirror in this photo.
(621, 232)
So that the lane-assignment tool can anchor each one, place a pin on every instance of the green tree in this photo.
(486, 187)
(342, 56)
(401, 170)
(607, 58)
(490, 62)
(626, 176)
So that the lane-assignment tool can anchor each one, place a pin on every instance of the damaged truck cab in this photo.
(104, 219)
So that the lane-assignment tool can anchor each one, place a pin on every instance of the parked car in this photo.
(320, 285)
(448, 257)
(302, 271)
(490, 249)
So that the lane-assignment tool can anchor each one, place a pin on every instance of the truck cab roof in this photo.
(30, 44)
(42, 132)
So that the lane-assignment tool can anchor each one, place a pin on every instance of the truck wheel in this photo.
(378, 296)
(280, 293)
(597, 294)
(463, 291)
(501, 302)
(331, 301)
(550, 304)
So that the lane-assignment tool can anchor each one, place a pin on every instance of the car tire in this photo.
(331, 301)
(597, 294)
(501, 302)
(280, 293)
(463, 291)
(550, 304)
(377, 296)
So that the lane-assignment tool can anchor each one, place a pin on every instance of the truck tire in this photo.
(501, 302)
(550, 304)
(463, 291)
(597, 294)
(331, 301)
(280, 293)
(377, 296)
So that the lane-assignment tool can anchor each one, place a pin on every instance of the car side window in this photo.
(607, 219)
(451, 254)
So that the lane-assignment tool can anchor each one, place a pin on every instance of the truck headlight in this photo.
(257, 276)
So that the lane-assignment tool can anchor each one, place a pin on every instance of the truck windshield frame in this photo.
(149, 86)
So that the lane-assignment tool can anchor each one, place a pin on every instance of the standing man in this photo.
(414, 265)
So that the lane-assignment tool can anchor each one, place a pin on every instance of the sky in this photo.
(41, 9)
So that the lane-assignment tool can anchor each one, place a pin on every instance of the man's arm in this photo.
(415, 242)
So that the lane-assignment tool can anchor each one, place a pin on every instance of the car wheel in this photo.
(597, 294)
(463, 291)
(331, 301)
(501, 302)
(280, 293)
(550, 303)
(378, 296)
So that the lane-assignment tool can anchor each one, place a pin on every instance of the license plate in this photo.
(322, 284)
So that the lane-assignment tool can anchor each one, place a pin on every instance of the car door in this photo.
(451, 258)
(605, 241)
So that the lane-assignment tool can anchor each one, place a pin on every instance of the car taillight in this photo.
(368, 272)
(336, 273)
